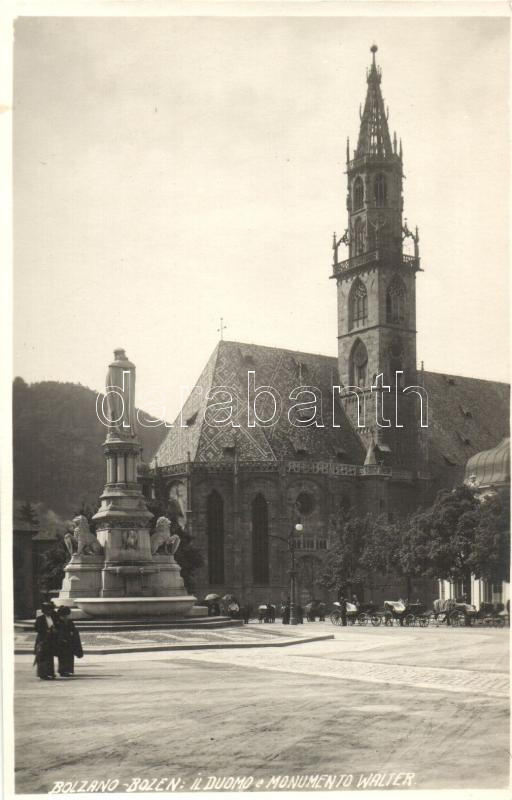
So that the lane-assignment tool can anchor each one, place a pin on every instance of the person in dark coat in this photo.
(46, 642)
(68, 643)
(343, 609)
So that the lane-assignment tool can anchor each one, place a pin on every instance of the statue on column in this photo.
(120, 396)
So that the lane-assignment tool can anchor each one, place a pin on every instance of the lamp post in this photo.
(294, 619)
(290, 540)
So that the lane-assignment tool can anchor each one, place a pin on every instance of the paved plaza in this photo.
(371, 708)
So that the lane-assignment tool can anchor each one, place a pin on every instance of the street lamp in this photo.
(294, 619)
(290, 541)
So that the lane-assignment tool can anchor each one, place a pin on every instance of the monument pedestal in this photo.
(127, 580)
(82, 578)
(167, 581)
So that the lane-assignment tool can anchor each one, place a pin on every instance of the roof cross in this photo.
(221, 329)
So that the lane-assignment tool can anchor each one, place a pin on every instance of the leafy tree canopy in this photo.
(458, 535)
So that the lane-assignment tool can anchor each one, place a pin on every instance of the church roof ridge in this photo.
(280, 349)
(309, 354)
(471, 416)
(448, 375)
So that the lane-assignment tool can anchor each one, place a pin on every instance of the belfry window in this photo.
(260, 541)
(395, 301)
(359, 236)
(215, 533)
(358, 305)
(359, 365)
(381, 191)
(358, 194)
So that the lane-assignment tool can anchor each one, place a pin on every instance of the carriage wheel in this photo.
(363, 619)
(388, 621)
(336, 618)
(410, 619)
(423, 621)
(456, 620)
(376, 620)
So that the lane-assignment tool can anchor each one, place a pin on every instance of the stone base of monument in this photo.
(100, 625)
(134, 607)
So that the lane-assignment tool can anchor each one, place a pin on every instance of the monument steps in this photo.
(190, 623)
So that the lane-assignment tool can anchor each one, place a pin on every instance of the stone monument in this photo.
(123, 572)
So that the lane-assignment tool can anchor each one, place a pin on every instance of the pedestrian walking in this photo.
(46, 642)
(68, 643)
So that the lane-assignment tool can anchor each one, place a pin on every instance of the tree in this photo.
(368, 547)
(53, 561)
(28, 514)
(344, 564)
(440, 541)
(490, 554)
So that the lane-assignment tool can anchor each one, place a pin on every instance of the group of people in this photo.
(286, 611)
(230, 607)
(342, 600)
(56, 636)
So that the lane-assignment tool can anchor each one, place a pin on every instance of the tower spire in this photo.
(374, 138)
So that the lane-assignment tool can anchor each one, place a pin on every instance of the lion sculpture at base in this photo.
(86, 542)
(163, 539)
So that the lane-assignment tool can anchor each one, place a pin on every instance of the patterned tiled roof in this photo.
(283, 370)
(466, 415)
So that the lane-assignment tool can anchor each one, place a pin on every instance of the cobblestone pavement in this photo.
(452, 680)
(371, 702)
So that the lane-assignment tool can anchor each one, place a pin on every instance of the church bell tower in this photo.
(376, 286)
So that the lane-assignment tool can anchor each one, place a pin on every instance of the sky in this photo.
(172, 171)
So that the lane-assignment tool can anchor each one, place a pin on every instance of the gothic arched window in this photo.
(381, 191)
(358, 305)
(359, 365)
(359, 236)
(260, 540)
(215, 533)
(395, 301)
(358, 194)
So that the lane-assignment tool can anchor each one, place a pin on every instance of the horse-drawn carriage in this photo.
(496, 616)
(452, 612)
(405, 613)
(356, 614)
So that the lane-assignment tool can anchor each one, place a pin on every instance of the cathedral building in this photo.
(349, 431)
